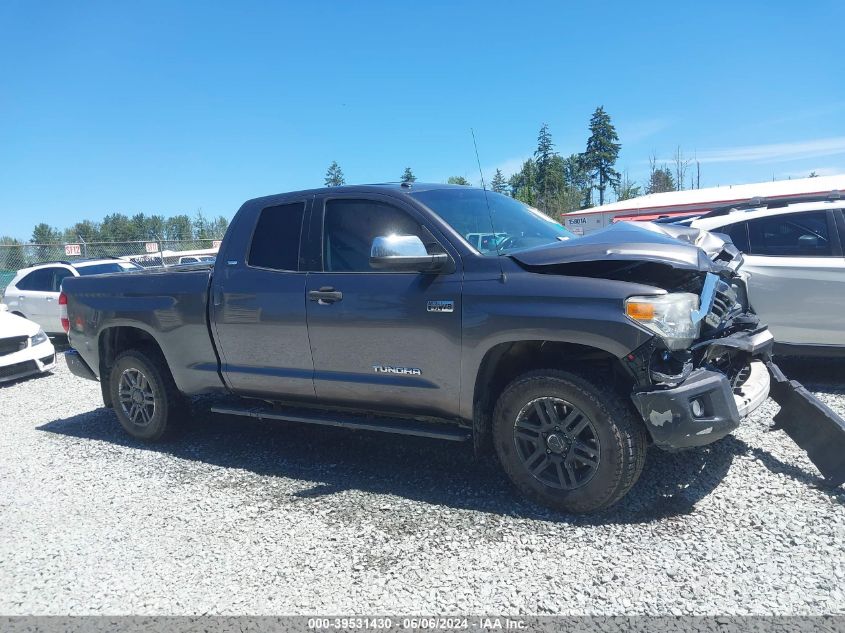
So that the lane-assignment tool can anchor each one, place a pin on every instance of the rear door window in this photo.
(791, 235)
(40, 280)
(275, 243)
(738, 233)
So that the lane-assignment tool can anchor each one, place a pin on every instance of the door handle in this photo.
(325, 295)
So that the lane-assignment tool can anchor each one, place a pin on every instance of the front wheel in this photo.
(566, 442)
(144, 396)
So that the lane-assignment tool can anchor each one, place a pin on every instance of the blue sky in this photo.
(166, 107)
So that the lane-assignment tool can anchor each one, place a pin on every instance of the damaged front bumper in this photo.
(702, 409)
(708, 404)
(705, 407)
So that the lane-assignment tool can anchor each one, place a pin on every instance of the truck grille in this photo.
(725, 305)
(12, 345)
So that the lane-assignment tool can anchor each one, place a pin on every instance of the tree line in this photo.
(560, 184)
(119, 227)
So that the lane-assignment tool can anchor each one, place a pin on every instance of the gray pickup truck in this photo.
(455, 313)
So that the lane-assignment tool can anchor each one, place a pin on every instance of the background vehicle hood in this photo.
(678, 246)
(13, 325)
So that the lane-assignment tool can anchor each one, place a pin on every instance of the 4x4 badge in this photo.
(441, 306)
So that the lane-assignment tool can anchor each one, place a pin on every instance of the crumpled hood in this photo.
(678, 246)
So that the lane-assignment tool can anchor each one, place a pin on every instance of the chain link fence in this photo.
(13, 257)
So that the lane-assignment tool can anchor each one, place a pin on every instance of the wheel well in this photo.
(506, 361)
(114, 340)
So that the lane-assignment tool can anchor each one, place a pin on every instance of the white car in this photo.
(197, 259)
(34, 292)
(25, 348)
(794, 268)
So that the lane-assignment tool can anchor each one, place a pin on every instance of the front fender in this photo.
(538, 307)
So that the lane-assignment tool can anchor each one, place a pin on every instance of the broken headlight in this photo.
(670, 316)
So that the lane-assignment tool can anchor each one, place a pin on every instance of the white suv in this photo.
(34, 292)
(794, 267)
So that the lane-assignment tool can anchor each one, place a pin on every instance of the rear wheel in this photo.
(144, 396)
(566, 442)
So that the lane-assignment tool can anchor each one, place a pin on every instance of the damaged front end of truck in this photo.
(709, 363)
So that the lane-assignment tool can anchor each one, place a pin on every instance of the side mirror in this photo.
(404, 253)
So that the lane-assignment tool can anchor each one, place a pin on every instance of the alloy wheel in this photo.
(137, 397)
(557, 443)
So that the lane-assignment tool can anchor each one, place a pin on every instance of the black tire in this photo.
(573, 472)
(151, 408)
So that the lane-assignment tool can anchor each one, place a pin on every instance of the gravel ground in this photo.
(244, 517)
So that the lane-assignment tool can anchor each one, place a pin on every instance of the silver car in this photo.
(794, 268)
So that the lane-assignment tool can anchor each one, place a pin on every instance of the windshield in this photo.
(99, 269)
(505, 226)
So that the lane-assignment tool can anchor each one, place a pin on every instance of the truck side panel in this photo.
(168, 305)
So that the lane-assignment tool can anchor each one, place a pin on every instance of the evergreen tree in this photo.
(524, 183)
(116, 227)
(499, 184)
(45, 234)
(627, 188)
(602, 152)
(408, 175)
(458, 180)
(334, 175)
(178, 227)
(543, 159)
(660, 181)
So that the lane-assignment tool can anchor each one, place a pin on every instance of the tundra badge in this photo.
(441, 306)
(390, 369)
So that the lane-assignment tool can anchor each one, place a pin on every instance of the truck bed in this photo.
(168, 304)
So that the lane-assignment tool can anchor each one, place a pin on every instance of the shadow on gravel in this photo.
(817, 374)
(428, 471)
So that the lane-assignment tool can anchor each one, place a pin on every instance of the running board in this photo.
(351, 421)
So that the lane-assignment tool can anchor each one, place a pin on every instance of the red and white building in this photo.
(694, 201)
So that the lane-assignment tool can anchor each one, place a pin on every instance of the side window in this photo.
(275, 243)
(40, 280)
(58, 276)
(349, 227)
(790, 235)
(738, 233)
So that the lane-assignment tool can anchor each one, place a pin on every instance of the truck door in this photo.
(387, 340)
(258, 306)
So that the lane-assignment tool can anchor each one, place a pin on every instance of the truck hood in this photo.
(679, 247)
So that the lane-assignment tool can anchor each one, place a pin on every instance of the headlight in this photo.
(38, 338)
(669, 316)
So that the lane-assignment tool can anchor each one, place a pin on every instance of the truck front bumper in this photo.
(706, 405)
(702, 409)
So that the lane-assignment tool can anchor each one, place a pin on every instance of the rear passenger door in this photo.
(37, 297)
(258, 310)
(796, 274)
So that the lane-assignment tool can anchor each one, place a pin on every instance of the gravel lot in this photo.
(242, 517)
